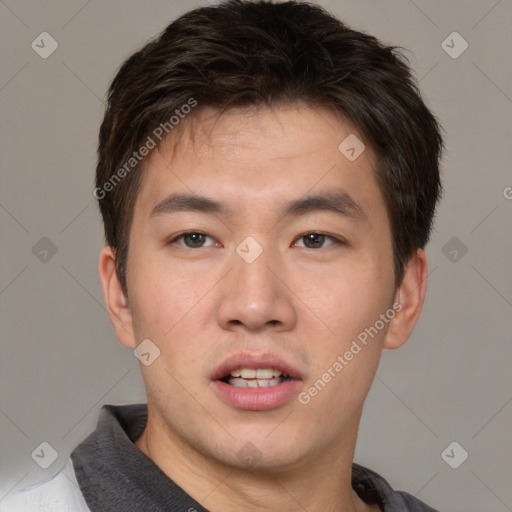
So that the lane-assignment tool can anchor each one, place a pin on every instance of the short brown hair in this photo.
(243, 53)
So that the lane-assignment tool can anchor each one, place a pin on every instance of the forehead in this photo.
(261, 158)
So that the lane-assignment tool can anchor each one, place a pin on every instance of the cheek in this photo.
(167, 310)
(172, 308)
(348, 300)
(346, 359)
(164, 297)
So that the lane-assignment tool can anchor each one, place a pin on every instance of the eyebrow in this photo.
(189, 203)
(337, 202)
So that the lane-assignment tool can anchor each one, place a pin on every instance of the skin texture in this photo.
(201, 305)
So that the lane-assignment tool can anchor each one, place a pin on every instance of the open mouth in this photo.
(255, 378)
(258, 382)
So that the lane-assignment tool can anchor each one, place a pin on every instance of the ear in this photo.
(117, 304)
(410, 296)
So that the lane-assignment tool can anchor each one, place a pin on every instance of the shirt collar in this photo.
(113, 474)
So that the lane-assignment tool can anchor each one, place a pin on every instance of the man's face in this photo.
(225, 290)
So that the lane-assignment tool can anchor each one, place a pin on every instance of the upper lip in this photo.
(254, 361)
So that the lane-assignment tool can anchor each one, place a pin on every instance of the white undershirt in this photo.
(60, 494)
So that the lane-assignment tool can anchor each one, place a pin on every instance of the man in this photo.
(267, 179)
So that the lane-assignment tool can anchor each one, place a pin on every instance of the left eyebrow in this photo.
(338, 202)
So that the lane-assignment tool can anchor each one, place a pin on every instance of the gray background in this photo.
(60, 360)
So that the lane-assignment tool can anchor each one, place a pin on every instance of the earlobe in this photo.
(117, 305)
(410, 296)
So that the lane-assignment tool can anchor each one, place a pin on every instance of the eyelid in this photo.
(179, 236)
(334, 238)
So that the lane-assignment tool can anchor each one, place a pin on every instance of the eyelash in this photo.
(326, 235)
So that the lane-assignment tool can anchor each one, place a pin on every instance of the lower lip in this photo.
(257, 399)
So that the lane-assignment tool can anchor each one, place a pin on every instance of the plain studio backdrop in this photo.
(438, 418)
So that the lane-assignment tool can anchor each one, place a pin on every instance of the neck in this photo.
(317, 482)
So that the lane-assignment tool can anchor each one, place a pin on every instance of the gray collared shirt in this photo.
(115, 476)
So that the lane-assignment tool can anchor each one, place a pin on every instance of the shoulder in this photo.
(413, 504)
(372, 487)
(60, 494)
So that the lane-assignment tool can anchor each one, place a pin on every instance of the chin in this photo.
(256, 450)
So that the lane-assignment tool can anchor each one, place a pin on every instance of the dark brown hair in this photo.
(256, 53)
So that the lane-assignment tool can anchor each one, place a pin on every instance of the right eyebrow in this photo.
(189, 203)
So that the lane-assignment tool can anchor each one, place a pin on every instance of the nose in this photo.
(254, 296)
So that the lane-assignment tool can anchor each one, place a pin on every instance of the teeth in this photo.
(264, 373)
(260, 373)
(259, 378)
(254, 383)
(238, 383)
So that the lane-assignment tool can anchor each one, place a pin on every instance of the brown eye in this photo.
(314, 240)
(194, 239)
(317, 240)
(191, 240)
